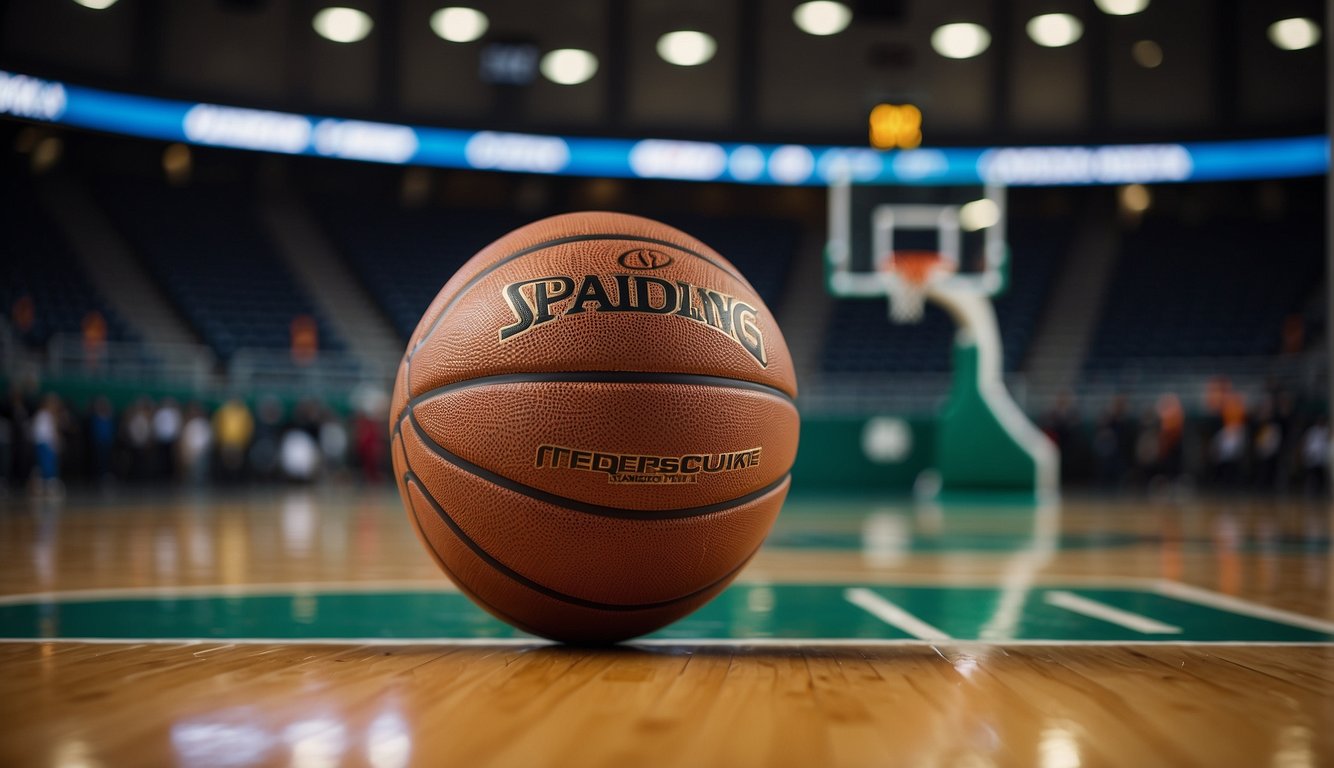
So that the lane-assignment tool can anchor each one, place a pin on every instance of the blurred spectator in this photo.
(94, 331)
(1228, 448)
(166, 431)
(1315, 457)
(46, 442)
(102, 433)
(1113, 444)
(196, 445)
(305, 339)
(333, 441)
(233, 427)
(299, 455)
(9, 434)
(369, 436)
(1266, 446)
(268, 433)
(23, 315)
(138, 427)
(1171, 428)
(1148, 444)
(1062, 428)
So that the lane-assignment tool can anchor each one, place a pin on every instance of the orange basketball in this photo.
(593, 426)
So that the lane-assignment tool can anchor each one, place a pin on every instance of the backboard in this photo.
(870, 226)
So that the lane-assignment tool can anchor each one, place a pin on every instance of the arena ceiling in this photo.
(1176, 69)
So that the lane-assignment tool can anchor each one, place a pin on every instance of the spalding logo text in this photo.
(544, 299)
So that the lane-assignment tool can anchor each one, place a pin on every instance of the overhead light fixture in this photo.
(822, 17)
(1294, 34)
(1147, 54)
(96, 5)
(1055, 30)
(568, 66)
(686, 48)
(342, 25)
(459, 25)
(962, 40)
(1121, 7)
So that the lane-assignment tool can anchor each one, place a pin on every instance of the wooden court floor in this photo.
(307, 628)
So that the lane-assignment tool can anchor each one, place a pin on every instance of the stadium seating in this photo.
(403, 256)
(38, 263)
(206, 246)
(1183, 293)
(761, 248)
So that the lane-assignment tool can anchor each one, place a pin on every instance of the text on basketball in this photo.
(544, 299)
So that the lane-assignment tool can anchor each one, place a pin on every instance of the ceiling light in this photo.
(96, 5)
(459, 25)
(568, 66)
(1147, 54)
(1055, 30)
(1121, 7)
(1294, 34)
(342, 25)
(686, 48)
(960, 41)
(822, 17)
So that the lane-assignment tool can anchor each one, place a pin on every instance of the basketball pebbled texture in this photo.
(593, 426)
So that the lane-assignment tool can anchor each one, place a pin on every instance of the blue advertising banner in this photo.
(52, 101)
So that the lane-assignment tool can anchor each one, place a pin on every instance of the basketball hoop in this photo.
(907, 275)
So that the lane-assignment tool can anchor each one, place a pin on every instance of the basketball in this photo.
(593, 426)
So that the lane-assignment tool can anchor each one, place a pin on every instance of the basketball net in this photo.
(907, 275)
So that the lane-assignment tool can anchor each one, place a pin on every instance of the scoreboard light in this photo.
(896, 126)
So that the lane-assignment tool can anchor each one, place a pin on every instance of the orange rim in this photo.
(916, 267)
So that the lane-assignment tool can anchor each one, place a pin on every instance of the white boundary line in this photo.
(756, 642)
(232, 590)
(1198, 595)
(757, 578)
(893, 615)
(1112, 615)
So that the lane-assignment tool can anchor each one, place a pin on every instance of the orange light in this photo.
(896, 126)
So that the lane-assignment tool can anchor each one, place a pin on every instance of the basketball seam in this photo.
(603, 377)
(458, 582)
(575, 505)
(489, 559)
(472, 281)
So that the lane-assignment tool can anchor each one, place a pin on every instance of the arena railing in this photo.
(196, 369)
(1141, 382)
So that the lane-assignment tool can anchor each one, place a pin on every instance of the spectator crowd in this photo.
(1273, 442)
(47, 442)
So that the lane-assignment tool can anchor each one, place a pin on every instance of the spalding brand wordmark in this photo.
(644, 258)
(543, 299)
(647, 470)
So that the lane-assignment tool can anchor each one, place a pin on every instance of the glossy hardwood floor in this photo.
(749, 701)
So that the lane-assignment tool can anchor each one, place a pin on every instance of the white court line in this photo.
(892, 615)
(755, 642)
(232, 590)
(1094, 609)
(1187, 593)
(751, 578)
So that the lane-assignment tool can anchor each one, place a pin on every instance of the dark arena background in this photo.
(1054, 279)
